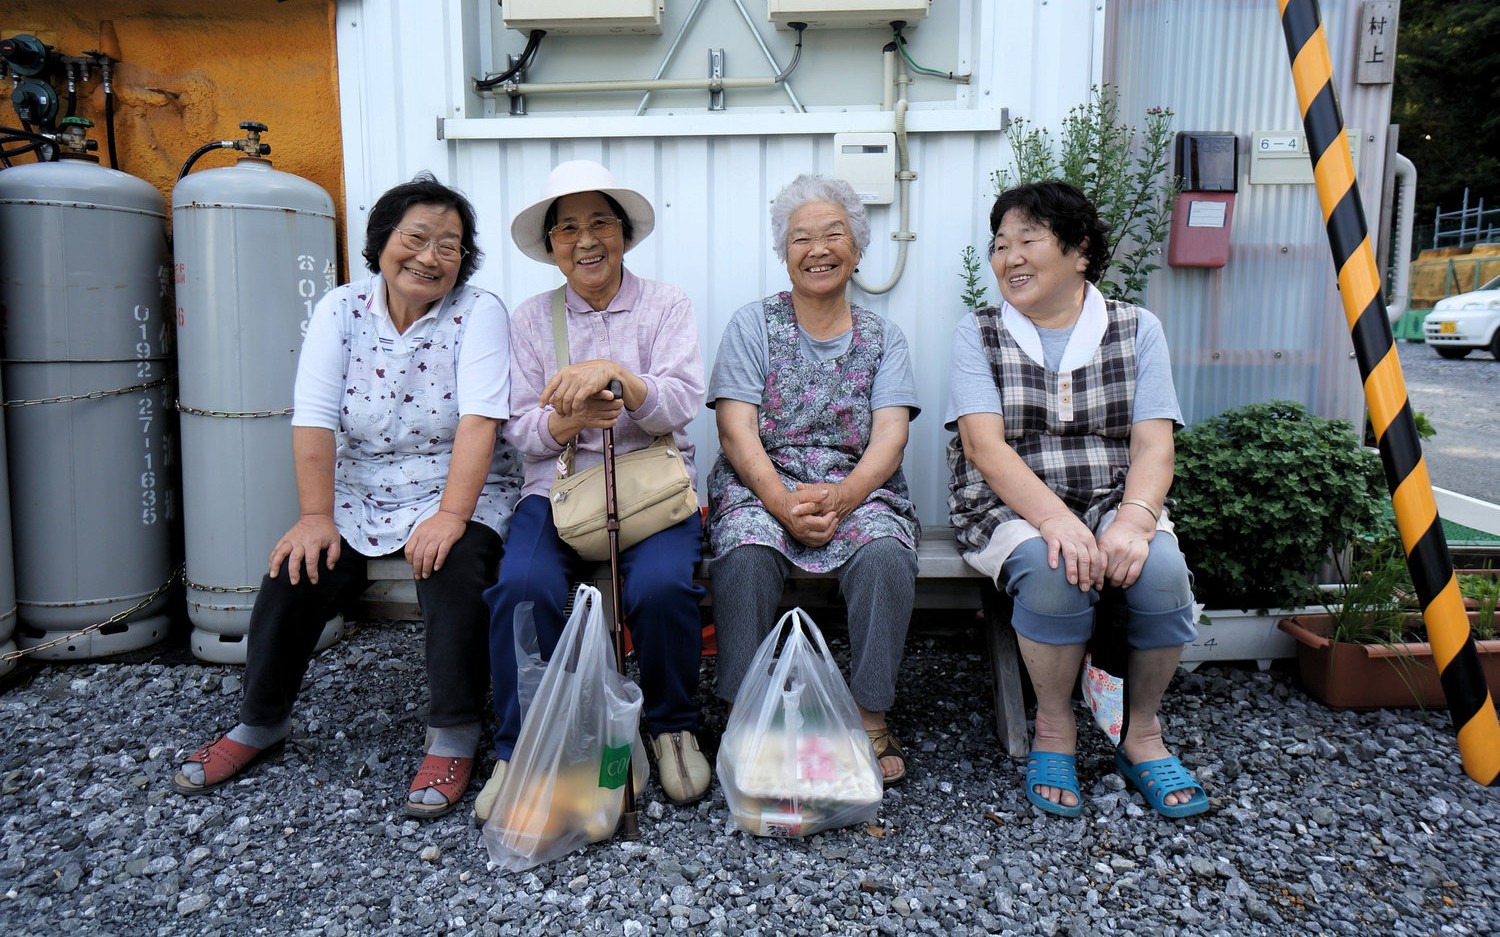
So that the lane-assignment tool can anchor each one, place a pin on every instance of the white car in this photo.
(1461, 323)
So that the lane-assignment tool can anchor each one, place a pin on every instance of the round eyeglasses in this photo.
(417, 242)
(570, 231)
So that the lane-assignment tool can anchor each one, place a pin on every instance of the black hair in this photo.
(1067, 212)
(627, 227)
(423, 189)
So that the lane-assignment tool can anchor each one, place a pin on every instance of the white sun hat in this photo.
(577, 175)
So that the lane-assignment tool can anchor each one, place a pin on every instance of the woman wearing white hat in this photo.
(644, 335)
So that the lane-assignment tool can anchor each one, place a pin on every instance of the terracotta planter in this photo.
(1373, 676)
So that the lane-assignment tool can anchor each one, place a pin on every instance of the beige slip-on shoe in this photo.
(486, 800)
(681, 767)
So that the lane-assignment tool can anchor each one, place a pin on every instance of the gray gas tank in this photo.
(7, 565)
(254, 252)
(89, 425)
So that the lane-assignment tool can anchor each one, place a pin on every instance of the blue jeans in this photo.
(1051, 610)
(659, 602)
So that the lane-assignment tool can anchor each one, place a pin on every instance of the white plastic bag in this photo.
(795, 759)
(565, 785)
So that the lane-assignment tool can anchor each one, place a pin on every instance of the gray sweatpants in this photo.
(879, 584)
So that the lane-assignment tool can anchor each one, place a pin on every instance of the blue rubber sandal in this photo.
(1051, 769)
(1159, 777)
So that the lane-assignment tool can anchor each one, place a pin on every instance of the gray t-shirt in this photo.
(972, 385)
(743, 360)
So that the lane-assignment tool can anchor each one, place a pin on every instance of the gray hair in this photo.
(809, 187)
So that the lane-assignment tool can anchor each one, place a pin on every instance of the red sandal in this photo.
(223, 760)
(448, 776)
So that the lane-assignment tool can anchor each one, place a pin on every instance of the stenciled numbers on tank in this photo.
(146, 415)
(307, 286)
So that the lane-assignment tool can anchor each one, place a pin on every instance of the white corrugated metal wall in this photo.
(404, 65)
(1267, 325)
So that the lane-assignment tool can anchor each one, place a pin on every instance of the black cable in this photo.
(205, 148)
(35, 143)
(109, 127)
(533, 42)
(796, 53)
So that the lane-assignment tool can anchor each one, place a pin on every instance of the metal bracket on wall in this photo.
(517, 101)
(716, 73)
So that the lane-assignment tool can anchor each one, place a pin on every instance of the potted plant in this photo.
(1264, 494)
(1370, 651)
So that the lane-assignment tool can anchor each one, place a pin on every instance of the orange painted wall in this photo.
(191, 70)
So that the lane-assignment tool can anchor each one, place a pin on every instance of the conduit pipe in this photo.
(904, 177)
(1406, 209)
(671, 53)
(781, 76)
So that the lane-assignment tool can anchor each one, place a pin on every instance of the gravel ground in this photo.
(1323, 822)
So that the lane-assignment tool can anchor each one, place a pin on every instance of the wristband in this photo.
(1155, 515)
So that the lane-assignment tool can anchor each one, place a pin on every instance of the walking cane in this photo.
(629, 827)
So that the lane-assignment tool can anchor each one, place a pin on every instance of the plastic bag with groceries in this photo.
(564, 787)
(794, 759)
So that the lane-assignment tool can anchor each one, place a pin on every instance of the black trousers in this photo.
(287, 620)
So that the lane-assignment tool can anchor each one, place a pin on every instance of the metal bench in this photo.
(944, 581)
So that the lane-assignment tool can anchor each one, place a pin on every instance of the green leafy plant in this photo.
(1375, 602)
(1264, 494)
(1121, 168)
(1483, 590)
(973, 277)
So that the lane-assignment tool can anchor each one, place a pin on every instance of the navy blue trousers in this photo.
(659, 600)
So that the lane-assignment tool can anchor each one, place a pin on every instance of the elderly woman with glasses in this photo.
(813, 397)
(643, 334)
(1065, 409)
(401, 387)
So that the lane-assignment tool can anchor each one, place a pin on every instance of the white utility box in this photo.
(584, 17)
(867, 161)
(1279, 157)
(847, 14)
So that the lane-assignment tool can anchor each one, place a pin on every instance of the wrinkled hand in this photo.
(579, 390)
(430, 542)
(312, 536)
(1072, 543)
(1125, 546)
(806, 516)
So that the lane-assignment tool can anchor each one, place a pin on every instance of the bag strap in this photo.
(560, 325)
(560, 346)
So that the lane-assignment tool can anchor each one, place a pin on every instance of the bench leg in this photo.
(1010, 704)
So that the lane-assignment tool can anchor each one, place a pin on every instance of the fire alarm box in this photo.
(1208, 165)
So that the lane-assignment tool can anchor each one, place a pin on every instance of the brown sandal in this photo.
(886, 745)
(223, 760)
(447, 776)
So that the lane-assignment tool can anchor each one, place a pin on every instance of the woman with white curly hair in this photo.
(813, 397)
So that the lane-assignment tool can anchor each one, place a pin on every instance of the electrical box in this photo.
(584, 17)
(847, 13)
(867, 161)
(1279, 157)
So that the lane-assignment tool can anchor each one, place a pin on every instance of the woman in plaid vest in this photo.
(1065, 410)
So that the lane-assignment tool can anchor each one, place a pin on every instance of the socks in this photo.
(448, 742)
(253, 736)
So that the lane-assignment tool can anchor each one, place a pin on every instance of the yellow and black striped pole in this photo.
(1453, 648)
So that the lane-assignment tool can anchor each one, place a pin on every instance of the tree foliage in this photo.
(1447, 99)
